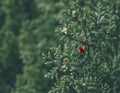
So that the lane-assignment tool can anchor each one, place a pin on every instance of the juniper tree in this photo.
(87, 60)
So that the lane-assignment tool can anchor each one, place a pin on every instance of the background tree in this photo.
(12, 14)
(36, 36)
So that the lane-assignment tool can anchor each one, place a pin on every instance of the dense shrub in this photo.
(88, 60)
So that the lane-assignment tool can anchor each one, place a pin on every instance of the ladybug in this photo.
(82, 49)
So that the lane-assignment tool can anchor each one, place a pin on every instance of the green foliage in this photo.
(94, 26)
(83, 57)
(11, 15)
(9, 55)
(36, 36)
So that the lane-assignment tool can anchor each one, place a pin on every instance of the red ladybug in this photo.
(81, 49)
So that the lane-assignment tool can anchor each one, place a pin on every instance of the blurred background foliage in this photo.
(27, 31)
